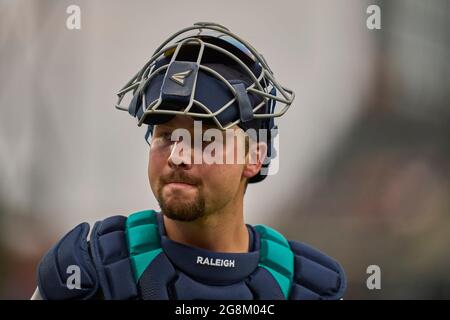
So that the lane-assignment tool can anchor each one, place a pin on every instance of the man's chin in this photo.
(178, 215)
(181, 206)
(186, 211)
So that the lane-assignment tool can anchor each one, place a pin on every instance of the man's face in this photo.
(187, 190)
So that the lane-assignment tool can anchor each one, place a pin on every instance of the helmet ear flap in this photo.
(272, 131)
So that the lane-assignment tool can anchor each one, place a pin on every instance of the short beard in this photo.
(187, 211)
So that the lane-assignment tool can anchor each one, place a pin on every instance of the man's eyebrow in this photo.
(164, 126)
(172, 126)
(205, 127)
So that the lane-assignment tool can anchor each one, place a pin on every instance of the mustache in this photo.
(178, 176)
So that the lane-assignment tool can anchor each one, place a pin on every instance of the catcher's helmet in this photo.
(207, 72)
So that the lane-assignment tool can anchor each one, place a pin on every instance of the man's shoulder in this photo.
(95, 259)
(300, 269)
(316, 275)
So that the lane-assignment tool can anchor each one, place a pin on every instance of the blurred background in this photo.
(364, 151)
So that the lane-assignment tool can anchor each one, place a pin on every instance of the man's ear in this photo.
(257, 153)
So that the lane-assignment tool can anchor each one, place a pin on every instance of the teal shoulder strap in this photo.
(144, 245)
(277, 257)
(143, 240)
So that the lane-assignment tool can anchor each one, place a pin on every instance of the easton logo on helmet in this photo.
(180, 77)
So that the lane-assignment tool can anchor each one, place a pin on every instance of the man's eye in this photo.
(161, 139)
(166, 136)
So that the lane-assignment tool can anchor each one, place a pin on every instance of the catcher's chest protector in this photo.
(132, 258)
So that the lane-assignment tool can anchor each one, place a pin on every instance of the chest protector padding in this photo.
(132, 258)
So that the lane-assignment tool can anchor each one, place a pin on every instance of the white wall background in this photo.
(67, 155)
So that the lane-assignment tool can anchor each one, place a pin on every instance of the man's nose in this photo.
(180, 155)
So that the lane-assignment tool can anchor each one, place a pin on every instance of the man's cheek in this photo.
(153, 177)
(155, 164)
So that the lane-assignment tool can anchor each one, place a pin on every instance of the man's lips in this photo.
(179, 185)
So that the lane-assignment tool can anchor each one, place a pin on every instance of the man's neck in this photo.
(222, 231)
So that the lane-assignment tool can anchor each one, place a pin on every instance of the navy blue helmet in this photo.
(207, 72)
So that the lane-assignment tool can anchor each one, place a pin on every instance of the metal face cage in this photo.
(263, 84)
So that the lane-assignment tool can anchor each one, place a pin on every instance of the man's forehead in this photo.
(178, 122)
(187, 122)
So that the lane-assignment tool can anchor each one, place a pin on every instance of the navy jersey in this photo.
(132, 258)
